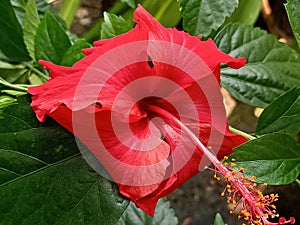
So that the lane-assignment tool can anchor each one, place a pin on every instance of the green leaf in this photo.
(113, 25)
(31, 24)
(218, 220)
(164, 215)
(35, 79)
(44, 179)
(246, 13)
(293, 11)
(19, 8)
(271, 69)
(11, 38)
(204, 16)
(14, 92)
(273, 158)
(282, 115)
(3, 57)
(13, 72)
(43, 6)
(74, 53)
(20, 5)
(130, 3)
(5, 101)
(51, 41)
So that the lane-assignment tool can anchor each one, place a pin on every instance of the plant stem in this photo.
(298, 182)
(36, 71)
(244, 134)
(163, 9)
(24, 85)
(13, 86)
(68, 11)
(147, 3)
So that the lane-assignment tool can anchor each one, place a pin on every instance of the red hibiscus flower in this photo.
(139, 101)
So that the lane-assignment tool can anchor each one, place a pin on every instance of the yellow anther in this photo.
(247, 214)
(227, 177)
(217, 178)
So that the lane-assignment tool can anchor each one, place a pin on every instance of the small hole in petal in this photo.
(150, 63)
(97, 105)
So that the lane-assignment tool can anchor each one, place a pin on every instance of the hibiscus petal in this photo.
(206, 50)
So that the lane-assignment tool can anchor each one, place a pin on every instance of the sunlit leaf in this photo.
(6, 100)
(293, 11)
(113, 25)
(204, 16)
(273, 158)
(13, 72)
(51, 42)
(31, 24)
(272, 67)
